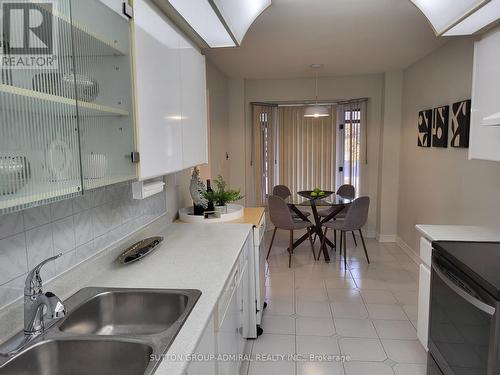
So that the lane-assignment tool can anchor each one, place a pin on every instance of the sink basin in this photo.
(81, 357)
(127, 312)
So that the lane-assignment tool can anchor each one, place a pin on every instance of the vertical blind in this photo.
(306, 158)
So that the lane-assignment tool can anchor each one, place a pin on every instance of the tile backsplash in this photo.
(78, 228)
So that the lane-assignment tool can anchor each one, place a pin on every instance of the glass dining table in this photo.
(336, 203)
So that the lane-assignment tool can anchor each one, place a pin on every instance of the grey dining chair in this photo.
(346, 191)
(355, 219)
(282, 218)
(284, 192)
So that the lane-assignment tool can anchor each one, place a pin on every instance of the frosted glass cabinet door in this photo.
(194, 112)
(158, 87)
(39, 148)
(104, 92)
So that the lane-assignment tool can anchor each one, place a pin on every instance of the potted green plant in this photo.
(221, 195)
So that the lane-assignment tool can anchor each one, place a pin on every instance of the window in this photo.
(352, 147)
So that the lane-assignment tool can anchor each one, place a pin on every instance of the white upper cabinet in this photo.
(170, 95)
(194, 108)
(158, 88)
(485, 115)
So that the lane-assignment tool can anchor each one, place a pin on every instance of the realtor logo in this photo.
(29, 31)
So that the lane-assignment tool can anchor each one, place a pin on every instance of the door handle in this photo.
(490, 310)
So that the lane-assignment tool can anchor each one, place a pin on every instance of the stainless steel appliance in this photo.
(464, 329)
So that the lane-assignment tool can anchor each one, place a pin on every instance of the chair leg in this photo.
(341, 238)
(335, 239)
(345, 250)
(311, 241)
(321, 247)
(364, 246)
(271, 245)
(354, 238)
(290, 250)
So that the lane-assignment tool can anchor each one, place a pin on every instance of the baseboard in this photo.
(386, 237)
(408, 250)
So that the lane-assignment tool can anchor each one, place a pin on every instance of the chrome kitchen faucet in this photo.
(39, 308)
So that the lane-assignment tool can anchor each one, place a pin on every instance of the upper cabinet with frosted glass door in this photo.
(104, 91)
(39, 137)
(65, 100)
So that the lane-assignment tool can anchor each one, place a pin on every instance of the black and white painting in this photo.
(460, 124)
(440, 126)
(424, 128)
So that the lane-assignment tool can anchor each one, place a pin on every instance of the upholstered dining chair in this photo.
(355, 219)
(346, 191)
(282, 218)
(284, 192)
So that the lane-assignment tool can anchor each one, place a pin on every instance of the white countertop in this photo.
(192, 256)
(459, 233)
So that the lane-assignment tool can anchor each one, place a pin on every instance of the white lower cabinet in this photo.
(204, 351)
(424, 292)
(224, 334)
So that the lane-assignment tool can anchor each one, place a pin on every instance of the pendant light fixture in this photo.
(316, 110)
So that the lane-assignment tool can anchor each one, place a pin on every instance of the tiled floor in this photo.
(367, 313)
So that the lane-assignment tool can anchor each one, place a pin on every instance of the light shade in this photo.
(220, 23)
(477, 20)
(317, 111)
(445, 14)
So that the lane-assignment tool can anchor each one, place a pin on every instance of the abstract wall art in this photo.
(424, 128)
(440, 127)
(460, 124)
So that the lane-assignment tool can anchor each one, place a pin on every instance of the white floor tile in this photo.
(314, 326)
(280, 307)
(318, 309)
(317, 345)
(344, 295)
(274, 344)
(386, 312)
(411, 311)
(410, 369)
(355, 328)
(275, 368)
(406, 297)
(367, 368)
(340, 283)
(350, 310)
(311, 295)
(362, 349)
(395, 329)
(405, 351)
(370, 284)
(278, 324)
(320, 368)
(378, 296)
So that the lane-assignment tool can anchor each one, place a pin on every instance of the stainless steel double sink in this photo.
(107, 331)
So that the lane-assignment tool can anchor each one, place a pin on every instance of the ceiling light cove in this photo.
(220, 23)
(459, 17)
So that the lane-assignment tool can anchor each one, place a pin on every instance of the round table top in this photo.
(331, 200)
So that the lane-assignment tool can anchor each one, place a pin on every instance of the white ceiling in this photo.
(347, 36)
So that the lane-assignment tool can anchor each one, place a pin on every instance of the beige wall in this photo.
(218, 99)
(330, 88)
(388, 171)
(441, 186)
